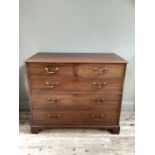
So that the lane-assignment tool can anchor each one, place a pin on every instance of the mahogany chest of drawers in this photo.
(80, 90)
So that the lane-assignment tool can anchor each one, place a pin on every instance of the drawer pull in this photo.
(51, 86)
(99, 85)
(98, 100)
(53, 100)
(100, 70)
(54, 116)
(97, 116)
(52, 71)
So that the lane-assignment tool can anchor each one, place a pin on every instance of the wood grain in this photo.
(38, 69)
(75, 90)
(76, 58)
(100, 70)
(74, 117)
(76, 84)
(43, 100)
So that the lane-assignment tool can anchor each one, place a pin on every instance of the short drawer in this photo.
(76, 84)
(74, 117)
(101, 70)
(75, 100)
(50, 69)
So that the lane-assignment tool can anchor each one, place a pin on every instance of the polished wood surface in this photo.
(76, 84)
(76, 58)
(50, 69)
(75, 90)
(75, 117)
(100, 70)
(85, 101)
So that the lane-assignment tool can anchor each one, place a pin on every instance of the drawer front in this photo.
(100, 70)
(68, 117)
(50, 69)
(76, 84)
(75, 100)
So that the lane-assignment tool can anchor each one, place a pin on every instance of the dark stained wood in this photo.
(65, 90)
(115, 130)
(75, 100)
(75, 70)
(76, 84)
(120, 105)
(76, 58)
(100, 70)
(35, 130)
(74, 117)
(50, 69)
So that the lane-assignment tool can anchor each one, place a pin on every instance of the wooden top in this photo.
(76, 58)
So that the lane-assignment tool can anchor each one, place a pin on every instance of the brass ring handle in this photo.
(54, 116)
(53, 100)
(99, 85)
(54, 70)
(52, 85)
(100, 70)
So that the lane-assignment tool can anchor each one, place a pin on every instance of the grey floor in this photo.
(77, 141)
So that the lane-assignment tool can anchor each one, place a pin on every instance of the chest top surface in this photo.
(76, 58)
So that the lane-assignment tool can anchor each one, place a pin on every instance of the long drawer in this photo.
(68, 117)
(76, 84)
(75, 100)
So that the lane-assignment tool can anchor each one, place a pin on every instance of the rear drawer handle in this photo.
(51, 86)
(52, 70)
(99, 85)
(100, 70)
(98, 100)
(97, 116)
(54, 116)
(53, 100)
